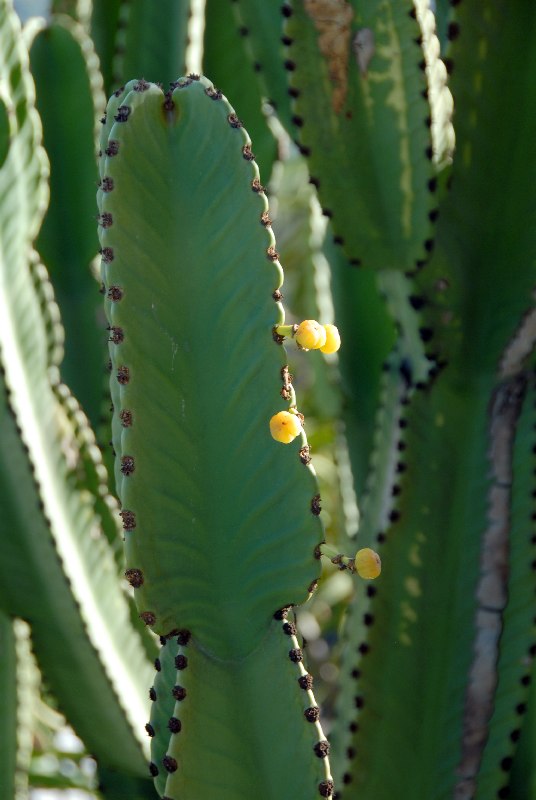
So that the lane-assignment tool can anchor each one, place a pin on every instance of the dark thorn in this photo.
(325, 788)
(178, 692)
(312, 714)
(134, 577)
(453, 31)
(127, 465)
(129, 520)
(304, 454)
(321, 749)
(126, 418)
(174, 725)
(141, 85)
(115, 293)
(290, 629)
(107, 254)
(183, 637)
(170, 765)
(123, 375)
(116, 335)
(123, 113)
(306, 682)
(295, 655)
(233, 121)
(426, 334)
(282, 613)
(214, 94)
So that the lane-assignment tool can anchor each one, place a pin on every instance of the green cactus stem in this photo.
(151, 40)
(196, 377)
(57, 569)
(373, 117)
(67, 241)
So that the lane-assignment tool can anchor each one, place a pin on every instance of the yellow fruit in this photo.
(285, 426)
(333, 339)
(310, 335)
(367, 563)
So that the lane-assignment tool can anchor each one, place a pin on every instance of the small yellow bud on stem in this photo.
(368, 564)
(310, 335)
(285, 426)
(333, 339)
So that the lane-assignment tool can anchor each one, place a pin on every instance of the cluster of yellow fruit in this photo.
(285, 426)
(311, 335)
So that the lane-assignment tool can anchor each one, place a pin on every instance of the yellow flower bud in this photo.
(285, 426)
(333, 339)
(367, 563)
(310, 335)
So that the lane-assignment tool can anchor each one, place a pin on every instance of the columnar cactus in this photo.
(207, 579)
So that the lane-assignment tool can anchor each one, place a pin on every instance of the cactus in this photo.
(423, 259)
(217, 234)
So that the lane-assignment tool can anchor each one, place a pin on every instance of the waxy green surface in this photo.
(224, 33)
(233, 713)
(218, 516)
(57, 570)
(151, 40)
(68, 241)
(361, 76)
(449, 533)
(192, 258)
